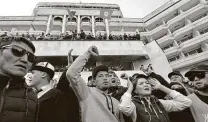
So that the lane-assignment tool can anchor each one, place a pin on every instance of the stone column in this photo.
(93, 25)
(49, 24)
(107, 29)
(64, 24)
(78, 24)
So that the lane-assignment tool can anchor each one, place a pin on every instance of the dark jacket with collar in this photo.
(18, 103)
(53, 107)
(74, 108)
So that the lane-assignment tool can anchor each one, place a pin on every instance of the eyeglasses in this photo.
(199, 75)
(19, 52)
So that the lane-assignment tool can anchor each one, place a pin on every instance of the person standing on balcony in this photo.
(96, 104)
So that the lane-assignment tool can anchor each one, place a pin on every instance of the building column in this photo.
(169, 32)
(180, 11)
(182, 55)
(164, 23)
(203, 1)
(175, 44)
(48, 24)
(187, 21)
(196, 33)
(64, 25)
(93, 25)
(78, 24)
(107, 29)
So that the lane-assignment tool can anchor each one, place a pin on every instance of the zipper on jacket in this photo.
(3, 96)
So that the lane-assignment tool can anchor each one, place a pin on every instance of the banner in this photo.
(71, 13)
(106, 13)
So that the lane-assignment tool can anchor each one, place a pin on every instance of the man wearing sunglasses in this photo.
(199, 108)
(18, 103)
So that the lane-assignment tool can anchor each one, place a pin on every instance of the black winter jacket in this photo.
(18, 103)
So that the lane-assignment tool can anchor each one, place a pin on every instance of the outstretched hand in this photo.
(93, 51)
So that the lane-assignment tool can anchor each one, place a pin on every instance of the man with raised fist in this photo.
(96, 104)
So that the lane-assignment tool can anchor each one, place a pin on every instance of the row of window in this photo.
(180, 26)
(186, 54)
(185, 38)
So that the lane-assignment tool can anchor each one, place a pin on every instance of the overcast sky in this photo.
(130, 8)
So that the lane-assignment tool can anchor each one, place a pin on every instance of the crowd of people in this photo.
(148, 97)
(74, 35)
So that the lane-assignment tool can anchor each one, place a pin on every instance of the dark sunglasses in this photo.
(199, 75)
(19, 52)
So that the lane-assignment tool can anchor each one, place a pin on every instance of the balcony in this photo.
(194, 42)
(164, 40)
(99, 24)
(191, 60)
(71, 23)
(106, 48)
(185, 14)
(171, 51)
(86, 24)
(191, 26)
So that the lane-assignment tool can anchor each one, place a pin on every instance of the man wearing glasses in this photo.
(199, 108)
(17, 102)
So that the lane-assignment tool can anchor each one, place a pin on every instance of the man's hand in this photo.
(124, 76)
(93, 51)
(69, 58)
(154, 83)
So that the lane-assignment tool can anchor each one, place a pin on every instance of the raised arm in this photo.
(73, 73)
(178, 103)
(126, 105)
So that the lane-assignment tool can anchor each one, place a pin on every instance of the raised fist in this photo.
(124, 76)
(93, 51)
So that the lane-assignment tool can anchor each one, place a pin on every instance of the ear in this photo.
(43, 74)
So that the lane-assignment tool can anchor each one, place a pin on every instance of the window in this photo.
(193, 52)
(203, 31)
(85, 19)
(99, 20)
(167, 47)
(173, 58)
(58, 19)
(199, 17)
(185, 38)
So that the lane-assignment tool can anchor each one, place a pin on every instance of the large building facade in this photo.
(179, 27)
